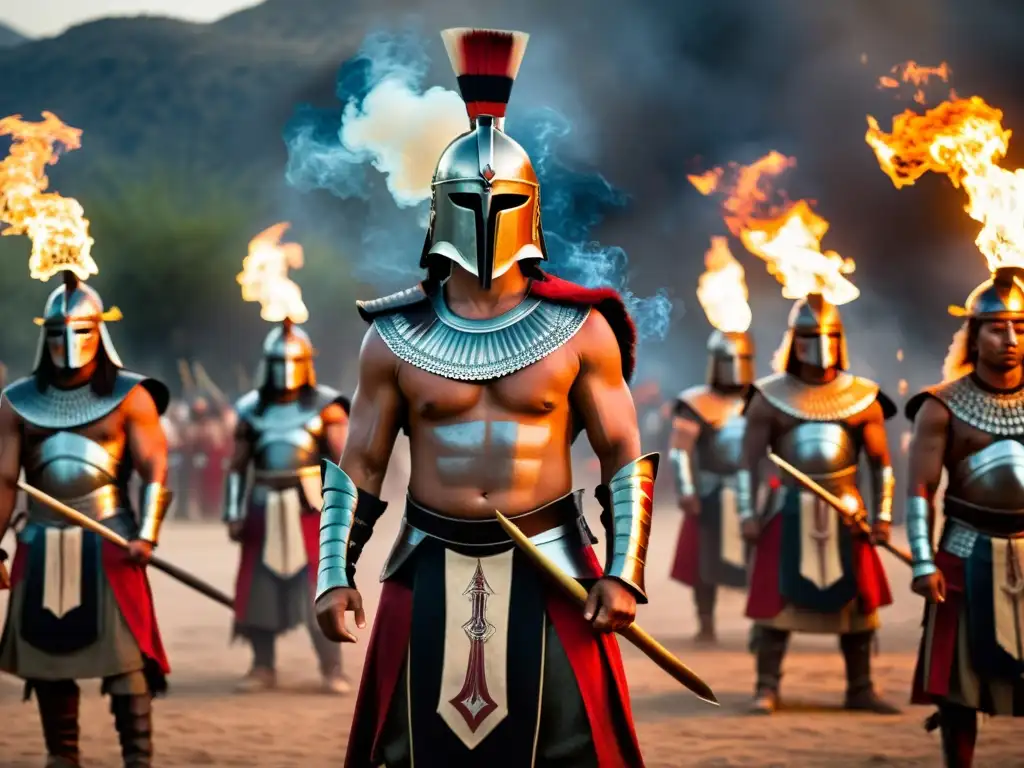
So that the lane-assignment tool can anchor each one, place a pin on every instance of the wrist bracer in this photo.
(628, 502)
(234, 491)
(884, 484)
(153, 504)
(918, 512)
(346, 522)
(744, 495)
(682, 472)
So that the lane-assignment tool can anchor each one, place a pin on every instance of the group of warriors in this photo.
(807, 567)
(493, 368)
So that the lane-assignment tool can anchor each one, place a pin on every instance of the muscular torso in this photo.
(499, 445)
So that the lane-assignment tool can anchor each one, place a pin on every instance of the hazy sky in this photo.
(39, 18)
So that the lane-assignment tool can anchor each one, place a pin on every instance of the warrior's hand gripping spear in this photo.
(83, 521)
(850, 517)
(638, 637)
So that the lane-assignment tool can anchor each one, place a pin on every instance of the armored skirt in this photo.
(280, 552)
(972, 649)
(80, 609)
(811, 574)
(711, 550)
(475, 660)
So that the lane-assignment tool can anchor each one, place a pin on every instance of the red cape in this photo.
(604, 300)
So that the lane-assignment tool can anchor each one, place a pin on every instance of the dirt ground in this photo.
(201, 722)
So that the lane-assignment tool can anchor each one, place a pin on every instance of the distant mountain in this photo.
(10, 38)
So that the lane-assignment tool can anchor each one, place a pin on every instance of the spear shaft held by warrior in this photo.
(115, 538)
(651, 648)
(849, 517)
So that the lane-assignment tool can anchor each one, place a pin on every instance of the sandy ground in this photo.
(201, 722)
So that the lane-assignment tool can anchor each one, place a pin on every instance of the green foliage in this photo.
(169, 247)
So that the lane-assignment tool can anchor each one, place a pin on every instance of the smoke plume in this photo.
(389, 122)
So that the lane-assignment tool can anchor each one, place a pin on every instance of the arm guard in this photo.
(744, 495)
(153, 504)
(629, 498)
(884, 484)
(918, 512)
(346, 522)
(234, 493)
(682, 472)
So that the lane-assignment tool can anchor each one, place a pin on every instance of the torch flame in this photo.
(722, 289)
(963, 139)
(264, 276)
(56, 225)
(787, 236)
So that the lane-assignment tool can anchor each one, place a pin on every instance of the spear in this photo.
(651, 648)
(83, 521)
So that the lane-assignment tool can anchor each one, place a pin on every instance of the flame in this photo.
(916, 75)
(264, 276)
(964, 140)
(56, 225)
(722, 289)
(905, 439)
(899, 355)
(904, 386)
(787, 236)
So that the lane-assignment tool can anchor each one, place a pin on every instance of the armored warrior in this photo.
(972, 425)
(80, 607)
(707, 440)
(285, 427)
(811, 572)
(492, 368)
(706, 455)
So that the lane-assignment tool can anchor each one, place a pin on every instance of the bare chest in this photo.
(109, 433)
(535, 391)
(965, 441)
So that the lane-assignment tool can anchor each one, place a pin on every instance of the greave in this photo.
(771, 650)
(58, 712)
(857, 655)
(959, 727)
(133, 717)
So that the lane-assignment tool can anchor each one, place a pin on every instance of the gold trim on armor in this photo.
(629, 523)
(839, 399)
(710, 406)
(153, 504)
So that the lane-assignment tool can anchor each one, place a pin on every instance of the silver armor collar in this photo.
(993, 412)
(440, 342)
(290, 415)
(839, 399)
(56, 408)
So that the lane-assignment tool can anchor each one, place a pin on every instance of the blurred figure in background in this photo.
(284, 429)
(706, 456)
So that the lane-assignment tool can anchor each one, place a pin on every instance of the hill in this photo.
(10, 37)
(654, 90)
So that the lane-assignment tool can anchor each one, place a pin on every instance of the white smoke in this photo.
(402, 134)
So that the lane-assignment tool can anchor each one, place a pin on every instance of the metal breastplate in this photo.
(719, 454)
(825, 451)
(992, 478)
(431, 337)
(287, 438)
(78, 471)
